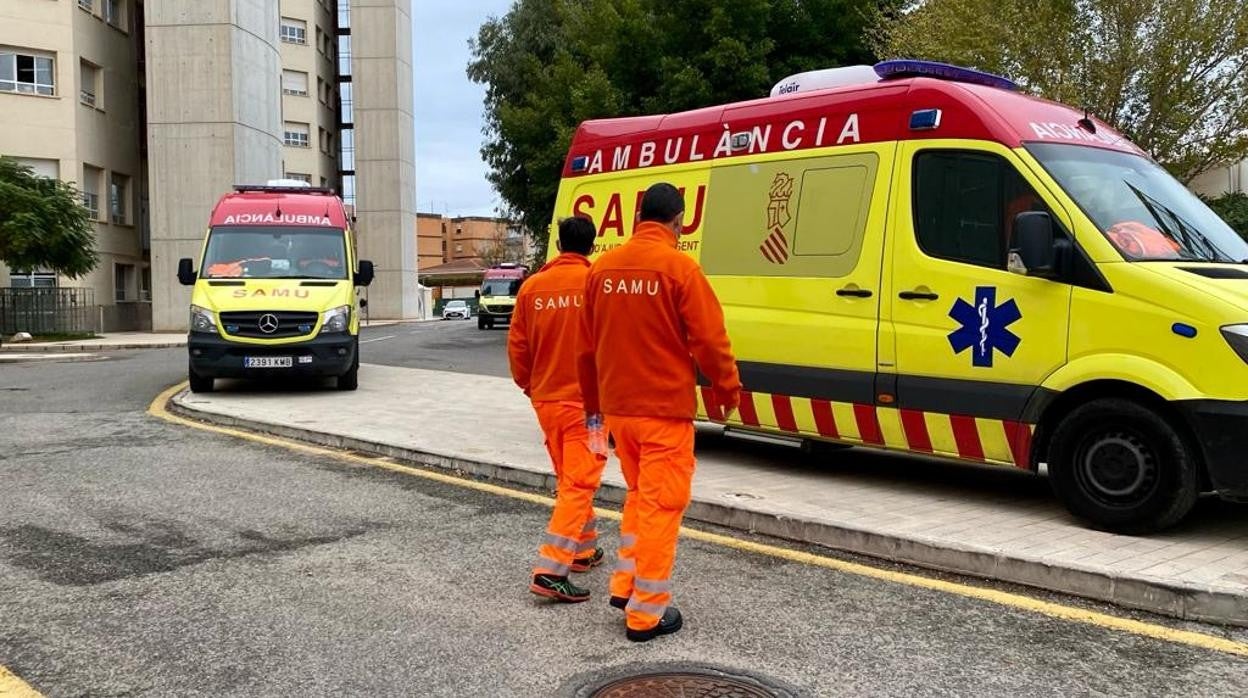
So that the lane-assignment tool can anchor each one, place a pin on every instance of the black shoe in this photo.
(620, 602)
(585, 564)
(668, 624)
(558, 588)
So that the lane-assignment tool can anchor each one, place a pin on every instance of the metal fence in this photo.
(48, 310)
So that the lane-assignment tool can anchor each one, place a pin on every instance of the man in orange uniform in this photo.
(650, 314)
(541, 346)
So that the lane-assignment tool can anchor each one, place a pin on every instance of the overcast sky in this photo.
(450, 176)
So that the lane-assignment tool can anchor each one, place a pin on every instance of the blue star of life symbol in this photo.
(984, 326)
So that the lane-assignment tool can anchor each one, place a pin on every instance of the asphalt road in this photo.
(142, 558)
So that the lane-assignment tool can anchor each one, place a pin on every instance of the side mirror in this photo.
(478, 292)
(1034, 249)
(365, 275)
(186, 272)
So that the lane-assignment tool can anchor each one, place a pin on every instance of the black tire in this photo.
(1123, 467)
(199, 384)
(351, 379)
(481, 324)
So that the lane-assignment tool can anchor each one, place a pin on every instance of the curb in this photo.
(72, 348)
(48, 357)
(1204, 603)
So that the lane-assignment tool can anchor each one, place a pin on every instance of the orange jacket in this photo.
(648, 310)
(545, 327)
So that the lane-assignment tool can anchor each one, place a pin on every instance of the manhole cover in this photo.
(683, 684)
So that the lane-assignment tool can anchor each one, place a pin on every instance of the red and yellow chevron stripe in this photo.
(976, 439)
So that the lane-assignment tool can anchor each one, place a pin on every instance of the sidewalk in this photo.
(997, 524)
(108, 342)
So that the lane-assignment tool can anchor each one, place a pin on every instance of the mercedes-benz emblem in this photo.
(268, 323)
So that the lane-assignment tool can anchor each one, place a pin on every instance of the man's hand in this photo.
(728, 404)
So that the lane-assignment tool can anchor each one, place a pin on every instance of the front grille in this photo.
(288, 324)
(498, 309)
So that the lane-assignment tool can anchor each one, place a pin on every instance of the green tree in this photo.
(1233, 207)
(548, 65)
(1170, 74)
(43, 224)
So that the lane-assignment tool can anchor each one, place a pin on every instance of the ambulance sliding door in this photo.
(793, 247)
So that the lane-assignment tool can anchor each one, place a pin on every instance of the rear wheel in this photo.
(199, 384)
(1123, 467)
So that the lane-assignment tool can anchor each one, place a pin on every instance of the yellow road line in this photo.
(1002, 598)
(13, 687)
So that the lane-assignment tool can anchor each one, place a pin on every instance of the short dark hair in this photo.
(662, 203)
(577, 234)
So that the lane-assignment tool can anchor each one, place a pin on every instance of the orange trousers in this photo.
(656, 455)
(572, 532)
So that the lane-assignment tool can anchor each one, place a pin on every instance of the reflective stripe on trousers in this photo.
(572, 531)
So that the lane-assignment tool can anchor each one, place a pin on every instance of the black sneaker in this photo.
(668, 624)
(585, 564)
(620, 602)
(558, 588)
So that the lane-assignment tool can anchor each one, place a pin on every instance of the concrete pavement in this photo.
(996, 524)
(143, 558)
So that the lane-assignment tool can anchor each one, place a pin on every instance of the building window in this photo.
(27, 73)
(88, 5)
(295, 135)
(295, 82)
(123, 278)
(34, 279)
(301, 176)
(91, 190)
(118, 199)
(115, 13)
(965, 203)
(344, 55)
(89, 92)
(41, 167)
(145, 285)
(294, 31)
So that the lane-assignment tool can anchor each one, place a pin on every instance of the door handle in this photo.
(854, 292)
(918, 295)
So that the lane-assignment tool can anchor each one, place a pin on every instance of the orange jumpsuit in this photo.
(541, 346)
(650, 314)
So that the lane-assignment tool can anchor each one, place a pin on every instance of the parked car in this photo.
(457, 310)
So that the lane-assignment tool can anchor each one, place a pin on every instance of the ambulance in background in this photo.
(497, 295)
(918, 257)
(275, 291)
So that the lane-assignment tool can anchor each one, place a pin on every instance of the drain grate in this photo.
(684, 685)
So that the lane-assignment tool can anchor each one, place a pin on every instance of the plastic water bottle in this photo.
(597, 434)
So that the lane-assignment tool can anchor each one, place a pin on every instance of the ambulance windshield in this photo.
(500, 287)
(275, 252)
(1146, 213)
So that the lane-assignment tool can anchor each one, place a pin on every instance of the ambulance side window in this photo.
(965, 204)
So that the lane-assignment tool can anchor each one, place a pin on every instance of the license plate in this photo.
(267, 362)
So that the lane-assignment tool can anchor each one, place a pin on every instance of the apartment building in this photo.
(70, 107)
(154, 108)
(444, 240)
(310, 86)
(1223, 180)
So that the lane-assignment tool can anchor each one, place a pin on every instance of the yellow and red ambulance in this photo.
(275, 290)
(919, 257)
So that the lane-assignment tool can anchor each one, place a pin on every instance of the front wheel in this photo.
(351, 379)
(484, 323)
(199, 384)
(1123, 467)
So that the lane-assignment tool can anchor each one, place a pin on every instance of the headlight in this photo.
(336, 320)
(1237, 337)
(203, 320)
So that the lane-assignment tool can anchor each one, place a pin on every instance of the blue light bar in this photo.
(580, 163)
(942, 71)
